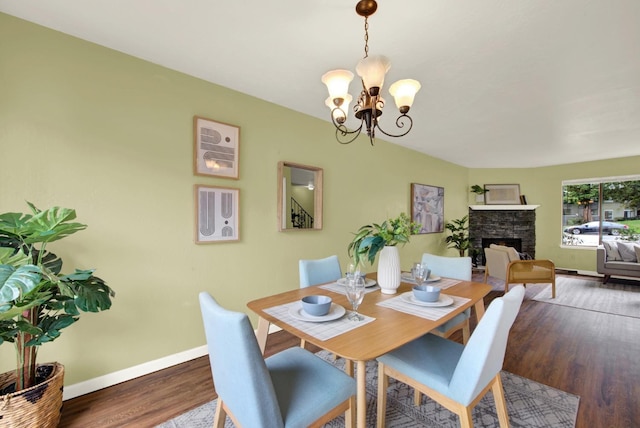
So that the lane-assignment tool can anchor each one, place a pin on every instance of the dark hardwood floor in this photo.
(590, 354)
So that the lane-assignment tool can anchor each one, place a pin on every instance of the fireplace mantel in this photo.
(503, 207)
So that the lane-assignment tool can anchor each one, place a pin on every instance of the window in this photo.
(600, 209)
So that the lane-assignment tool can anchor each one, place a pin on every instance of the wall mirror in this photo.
(299, 197)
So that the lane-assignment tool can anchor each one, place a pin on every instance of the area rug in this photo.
(530, 404)
(611, 298)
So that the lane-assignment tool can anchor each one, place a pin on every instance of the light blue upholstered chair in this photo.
(313, 272)
(456, 268)
(455, 375)
(293, 388)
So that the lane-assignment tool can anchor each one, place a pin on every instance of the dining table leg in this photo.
(479, 309)
(262, 333)
(361, 394)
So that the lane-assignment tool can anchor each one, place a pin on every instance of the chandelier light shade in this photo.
(369, 104)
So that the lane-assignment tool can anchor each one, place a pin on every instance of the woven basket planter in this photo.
(39, 406)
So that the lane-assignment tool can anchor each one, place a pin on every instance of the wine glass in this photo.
(419, 272)
(354, 290)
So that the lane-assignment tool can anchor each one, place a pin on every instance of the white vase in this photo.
(389, 270)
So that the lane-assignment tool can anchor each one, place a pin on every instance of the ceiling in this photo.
(504, 83)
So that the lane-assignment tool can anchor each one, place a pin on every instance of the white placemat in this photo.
(337, 288)
(320, 330)
(431, 313)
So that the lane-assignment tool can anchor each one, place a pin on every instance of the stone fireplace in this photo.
(511, 225)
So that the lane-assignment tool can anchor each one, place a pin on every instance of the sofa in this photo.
(618, 259)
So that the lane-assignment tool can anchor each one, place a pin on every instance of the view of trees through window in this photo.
(601, 209)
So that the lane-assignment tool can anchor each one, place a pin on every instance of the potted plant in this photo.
(459, 238)
(37, 301)
(383, 238)
(478, 190)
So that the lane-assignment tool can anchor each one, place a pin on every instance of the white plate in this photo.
(407, 277)
(444, 300)
(367, 282)
(335, 312)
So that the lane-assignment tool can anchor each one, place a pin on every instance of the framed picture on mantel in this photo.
(502, 194)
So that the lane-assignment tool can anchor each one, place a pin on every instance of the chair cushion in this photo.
(529, 272)
(306, 386)
(430, 360)
(611, 250)
(511, 252)
(627, 252)
(454, 321)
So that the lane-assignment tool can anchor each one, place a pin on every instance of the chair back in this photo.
(450, 267)
(496, 263)
(240, 374)
(319, 271)
(483, 355)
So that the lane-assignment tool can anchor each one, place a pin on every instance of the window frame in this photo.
(566, 239)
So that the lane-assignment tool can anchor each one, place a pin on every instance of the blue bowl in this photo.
(316, 305)
(426, 293)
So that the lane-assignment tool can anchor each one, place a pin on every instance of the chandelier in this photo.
(369, 105)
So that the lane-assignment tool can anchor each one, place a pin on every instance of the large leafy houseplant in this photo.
(372, 238)
(459, 235)
(37, 301)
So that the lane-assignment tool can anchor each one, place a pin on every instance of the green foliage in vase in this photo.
(371, 238)
(37, 301)
(459, 237)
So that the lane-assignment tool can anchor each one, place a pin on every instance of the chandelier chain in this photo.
(366, 36)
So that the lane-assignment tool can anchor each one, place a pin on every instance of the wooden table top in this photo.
(390, 330)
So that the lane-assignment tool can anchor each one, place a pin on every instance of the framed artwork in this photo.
(502, 194)
(217, 214)
(427, 207)
(216, 148)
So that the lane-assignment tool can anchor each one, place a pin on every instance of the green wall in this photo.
(89, 128)
(85, 127)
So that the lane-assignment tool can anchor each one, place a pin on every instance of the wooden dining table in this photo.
(390, 329)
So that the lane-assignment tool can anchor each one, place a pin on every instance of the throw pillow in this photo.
(611, 249)
(637, 247)
(627, 252)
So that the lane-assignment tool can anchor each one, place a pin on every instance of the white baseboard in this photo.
(91, 385)
(95, 384)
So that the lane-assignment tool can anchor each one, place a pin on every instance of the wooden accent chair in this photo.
(504, 263)
(456, 376)
(531, 272)
(457, 268)
(293, 388)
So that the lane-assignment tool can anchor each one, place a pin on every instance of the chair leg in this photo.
(466, 333)
(383, 384)
(553, 288)
(466, 421)
(501, 403)
(506, 287)
(220, 415)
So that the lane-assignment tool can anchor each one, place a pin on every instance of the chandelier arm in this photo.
(399, 124)
(342, 132)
